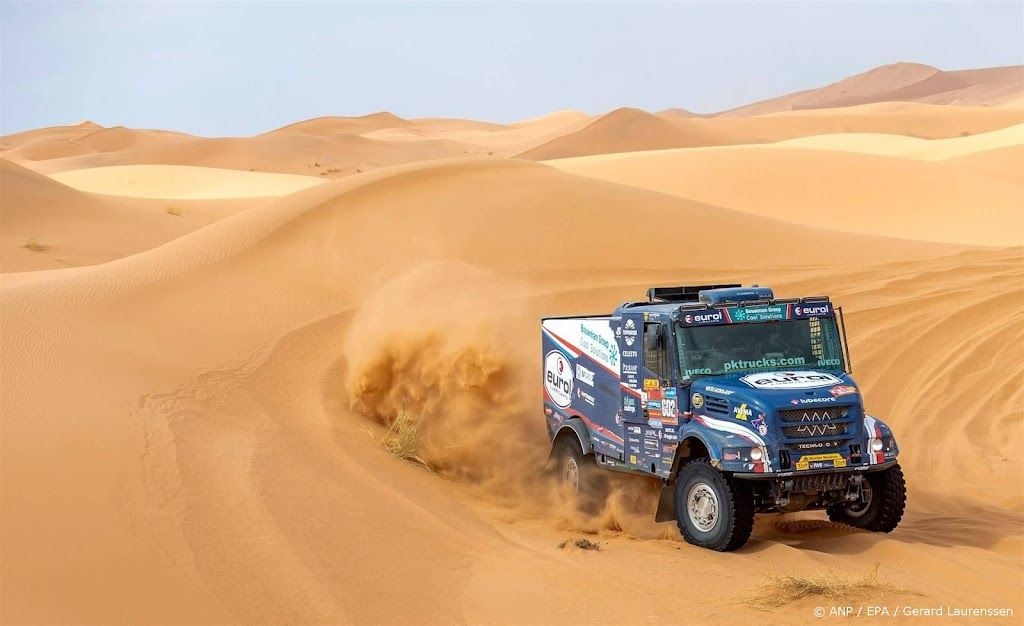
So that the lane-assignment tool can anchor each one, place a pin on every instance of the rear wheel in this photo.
(880, 508)
(579, 475)
(713, 510)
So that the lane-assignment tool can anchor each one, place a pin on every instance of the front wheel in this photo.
(713, 510)
(880, 508)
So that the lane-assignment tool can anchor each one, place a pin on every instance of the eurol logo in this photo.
(704, 318)
(558, 378)
(817, 309)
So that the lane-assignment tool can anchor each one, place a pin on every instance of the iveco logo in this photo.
(703, 318)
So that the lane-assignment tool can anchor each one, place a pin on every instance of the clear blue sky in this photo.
(220, 68)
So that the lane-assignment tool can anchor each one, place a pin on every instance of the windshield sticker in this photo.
(759, 313)
(812, 310)
(740, 364)
(789, 380)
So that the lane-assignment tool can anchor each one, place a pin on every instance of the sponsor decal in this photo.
(651, 444)
(697, 400)
(630, 354)
(670, 392)
(709, 317)
(654, 423)
(632, 459)
(654, 405)
(820, 461)
(584, 375)
(668, 448)
(669, 435)
(742, 412)
(724, 392)
(633, 430)
(743, 364)
(698, 370)
(558, 378)
(760, 425)
(811, 310)
(789, 380)
(817, 445)
(759, 313)
(589, 399)
(651, 383)
(812, 400)
(629, 404)
(629, 368)
(731, 455)
(629, 333)
(842, 390)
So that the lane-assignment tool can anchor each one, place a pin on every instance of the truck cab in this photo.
(739, 402)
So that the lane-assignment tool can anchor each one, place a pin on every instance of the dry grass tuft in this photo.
(784, 588)
(35, 246)
(175, 211)
(402, 439)
(582, 543)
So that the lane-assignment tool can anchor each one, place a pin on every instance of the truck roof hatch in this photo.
(687, 293)
(735, 294)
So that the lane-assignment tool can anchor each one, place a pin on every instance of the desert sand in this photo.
(193, 400)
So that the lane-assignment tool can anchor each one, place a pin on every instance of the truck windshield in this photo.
(713, 350)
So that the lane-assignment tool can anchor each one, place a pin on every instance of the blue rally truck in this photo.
(739, 402)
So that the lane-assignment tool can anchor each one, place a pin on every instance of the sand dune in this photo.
(82, 139)
(913, 147)
(630, 130)
(238, 484)
(901, 82)
(183, 181)
(191, 418)
(48, 225)
(329, 156)
(849, 182)
(625, 130)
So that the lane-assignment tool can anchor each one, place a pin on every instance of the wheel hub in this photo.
(571, 474)
(702, 506)
(860, 507)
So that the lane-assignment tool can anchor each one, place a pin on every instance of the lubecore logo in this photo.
(558, 378)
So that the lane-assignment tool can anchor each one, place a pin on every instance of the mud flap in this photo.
(666, 504)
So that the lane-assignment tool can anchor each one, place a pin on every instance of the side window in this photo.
(654, 350)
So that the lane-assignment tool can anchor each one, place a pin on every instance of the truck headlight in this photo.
(876, 445)
(756, 454)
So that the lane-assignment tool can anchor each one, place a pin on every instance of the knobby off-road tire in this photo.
(579, 474)
(713, 510)
(887, 498)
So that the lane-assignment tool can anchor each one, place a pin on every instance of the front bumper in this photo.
(854, 469)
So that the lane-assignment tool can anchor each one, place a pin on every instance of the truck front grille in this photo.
(815, 430)
(815, 414)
